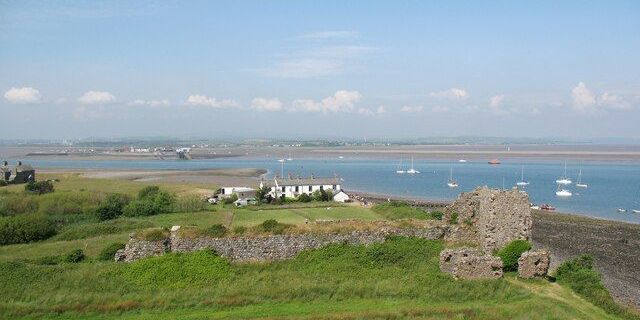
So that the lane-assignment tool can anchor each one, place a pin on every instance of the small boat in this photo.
(494, 161)
(547, 207)
(462, 160)
(280, 160)
(290, 158)
(563, 193)
(400, 170)
(635, 211)
(534, 207)
(621, 210)
(340, 157)
(564, 180)
(579, 183)
(412, 170)
(452, 183)
(522, 182)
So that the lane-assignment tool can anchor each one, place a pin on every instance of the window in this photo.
(321, 187)
(296, 188)
(309, 188)
(283, 189)
(334, 187)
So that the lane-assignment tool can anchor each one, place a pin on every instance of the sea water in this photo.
(611, 185)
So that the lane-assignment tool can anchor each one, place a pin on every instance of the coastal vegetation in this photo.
(69, 272)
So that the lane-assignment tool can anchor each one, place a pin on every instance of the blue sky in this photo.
(306, 69)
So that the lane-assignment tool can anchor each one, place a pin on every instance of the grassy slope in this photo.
(393, 280)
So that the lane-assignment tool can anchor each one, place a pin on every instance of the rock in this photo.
(175, 228)
(449, 257)
(478, 267)
(120, 255)
(533, 264)
(490, 218)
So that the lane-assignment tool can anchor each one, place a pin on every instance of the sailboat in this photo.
(290, 158)
(561, 192)
(452, 183)
(400, 170)
(412, 170)
(579, 184)
(564, 180)
(522, 182)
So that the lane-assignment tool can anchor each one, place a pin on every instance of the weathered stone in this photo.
(533, 264)
(268, 248)
(478, 267)
(120, 255)
(449, 257)
(490, 218)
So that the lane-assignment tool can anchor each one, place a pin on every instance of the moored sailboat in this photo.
(412, 170)
(579, 183)
(522, 182)
(452, 183)
(564, 180)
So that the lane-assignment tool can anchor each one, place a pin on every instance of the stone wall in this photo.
(267, 248)
(533, 264)
(490, 218)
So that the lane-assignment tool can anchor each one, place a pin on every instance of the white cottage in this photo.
(293, 187)
(341, 197)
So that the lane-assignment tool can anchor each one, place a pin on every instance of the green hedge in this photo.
(512, 252)
(25, 228)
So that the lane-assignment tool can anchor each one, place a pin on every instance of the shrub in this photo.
(434, 215)
(511, 252)
(39, 187)
(216, 231)
(272, 226)
(239, 230)
(70, 203)
(25, 228)
(112, 207)
(108, 253)
(189, 203)
(230, 199)
(140, 208)
(154, 234)
(148, 191)
(15, 204)
(263, 195)
(320, 195)
(74, 256)
(304, 198)
(579, 275)
(454, 218)
(3, 183)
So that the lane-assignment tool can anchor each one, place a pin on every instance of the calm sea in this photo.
(612, 185)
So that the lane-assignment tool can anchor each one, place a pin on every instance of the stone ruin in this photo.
(470, 263)
(533, 264)
(489, 218)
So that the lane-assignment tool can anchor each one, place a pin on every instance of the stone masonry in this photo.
(266, 248)
(449, 257)
(478, 267)
(533, 264)
(490, 218)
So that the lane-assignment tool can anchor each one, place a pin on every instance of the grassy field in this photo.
(398, 279)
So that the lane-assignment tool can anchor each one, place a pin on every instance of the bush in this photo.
(454, 218)
(112, 207)
(320, 195)
(67, 204)
(216, 231)
(189, 203)
(230, 199)
(304, 198)
(148, 192)
(511, 252)
(108, 253)
(75, 256)
(154, 234)
(141, 208)
(39, 187)
(3, 183)
(25, 228)
(434, 215)
(239, 230)
(579, 275)
(13, 204)
(272, 226)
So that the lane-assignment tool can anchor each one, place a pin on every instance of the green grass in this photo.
(395, 210)
(396, 279)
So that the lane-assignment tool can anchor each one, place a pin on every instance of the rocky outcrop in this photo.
(478, 267)
(533, 264)
(490, 218)
(267, 248)
(450, 257)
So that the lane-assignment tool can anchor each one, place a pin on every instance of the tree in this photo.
(263, 195)
(39, 187)
(112, 207)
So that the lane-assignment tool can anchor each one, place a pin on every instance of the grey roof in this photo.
(305, 181)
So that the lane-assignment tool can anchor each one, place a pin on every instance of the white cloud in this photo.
(266, 104)
(198, 100)
(586, 101)
(496, 101)
(439, 109)
(411, 109)
(583, 99)
(368, 112)
(381, 110)
(96, 97)
(321, 35)
(341, 101)
(451, 94)
(23, 95)
(150, 103)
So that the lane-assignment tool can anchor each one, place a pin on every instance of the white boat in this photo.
(280, 160)
(579, 183)
(462, 160)
(290, 158)
(400, 170)
(522, 182)
(563, 193)
(564, 180)
(452, 183)
(412, 170)
(621, 210)
(635, 211)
